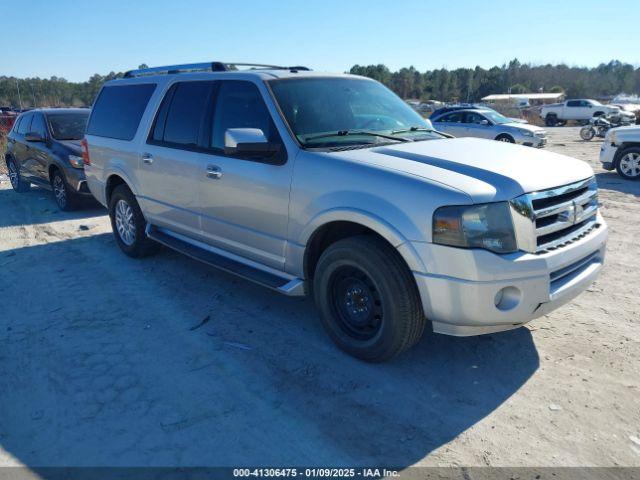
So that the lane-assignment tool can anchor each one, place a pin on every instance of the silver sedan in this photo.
(491, 125)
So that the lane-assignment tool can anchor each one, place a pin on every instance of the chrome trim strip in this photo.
(581, 200)
(563, 272)
(570, 237)
(554, 192)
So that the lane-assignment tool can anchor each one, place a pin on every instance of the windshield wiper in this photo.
(421, 129)
(344, 133)
(414, 129)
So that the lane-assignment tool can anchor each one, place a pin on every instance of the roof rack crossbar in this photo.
(205, 67)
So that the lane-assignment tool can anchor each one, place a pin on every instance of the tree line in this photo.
(471, 84)
(462, 84)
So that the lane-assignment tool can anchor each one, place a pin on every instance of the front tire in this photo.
(368, 300)
(65, 198)
(128, 224)
(628, 165)
(18, 183)
(587, 133)
(551, 120)
(505, 138)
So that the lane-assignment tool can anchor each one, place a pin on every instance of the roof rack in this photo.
(207, 67)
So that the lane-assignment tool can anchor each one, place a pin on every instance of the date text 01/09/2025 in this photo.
(315, 472)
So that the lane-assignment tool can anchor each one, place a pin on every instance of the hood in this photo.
(74, 145)
(485, 170)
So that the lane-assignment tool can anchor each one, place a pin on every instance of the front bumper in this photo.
(77, 180)
(461, 291)
(536, 142)
(607, 155)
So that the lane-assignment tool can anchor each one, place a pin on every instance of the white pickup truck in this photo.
(560, 113)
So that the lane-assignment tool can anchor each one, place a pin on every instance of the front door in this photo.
(478, 126)
(245, 202)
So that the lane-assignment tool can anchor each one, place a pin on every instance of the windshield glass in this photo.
(495, 117)
(68, 126)
(327, 108)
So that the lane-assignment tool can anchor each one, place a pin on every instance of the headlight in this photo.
(487, 226)
(526, 133)
(76, 161)
(612, 136)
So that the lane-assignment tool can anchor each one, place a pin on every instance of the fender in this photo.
(361, 217)
(115, 169)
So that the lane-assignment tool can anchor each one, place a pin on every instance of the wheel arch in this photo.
(622, 149)
(114, 180)
(321, 235)
(505, 134)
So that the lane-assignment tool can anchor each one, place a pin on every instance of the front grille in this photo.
(558, 216)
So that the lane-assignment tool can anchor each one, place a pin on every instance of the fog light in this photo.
(507, 298)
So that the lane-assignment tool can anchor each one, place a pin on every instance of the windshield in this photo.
(326, 112)
(68, 126)
(495, 117)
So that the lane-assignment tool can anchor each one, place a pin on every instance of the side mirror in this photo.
(249, 142)
(484, 122)
(33, 137)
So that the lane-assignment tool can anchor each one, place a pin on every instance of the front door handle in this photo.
(214, 172)
(147, 158)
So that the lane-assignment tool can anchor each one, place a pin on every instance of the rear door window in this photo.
(118, 110)
(452, 118)
(180, 118)
(573, 103)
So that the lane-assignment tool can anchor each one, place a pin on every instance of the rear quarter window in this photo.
(118, 110)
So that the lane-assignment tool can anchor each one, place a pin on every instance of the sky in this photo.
(74, 39)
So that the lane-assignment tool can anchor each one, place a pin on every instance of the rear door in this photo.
(171, 162)
(577, 110)
(451, 123)
(245, 210)
(21, 149)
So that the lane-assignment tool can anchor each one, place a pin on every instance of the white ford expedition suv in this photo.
(330, 185)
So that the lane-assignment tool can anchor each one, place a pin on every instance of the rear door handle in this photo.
(147, 158)
(214, 172)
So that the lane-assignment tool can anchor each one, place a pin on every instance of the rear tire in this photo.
(368, 300)
(18, 183)
(551, 120)
(65, 198)
(128, 224)
(628, 164)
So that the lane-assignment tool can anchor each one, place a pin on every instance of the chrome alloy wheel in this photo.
(630, 164)
(60, 191)
(124, 223)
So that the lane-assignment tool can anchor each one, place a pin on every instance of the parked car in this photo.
(580, 110)
(332, 186)
(43, 149)
(620, 150)
(483, 123)
(466, 106)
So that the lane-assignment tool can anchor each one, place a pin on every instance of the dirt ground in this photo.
(105, 360)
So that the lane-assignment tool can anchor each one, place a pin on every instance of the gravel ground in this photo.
(105, 360)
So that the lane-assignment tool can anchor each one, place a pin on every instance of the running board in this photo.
(217, 258)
